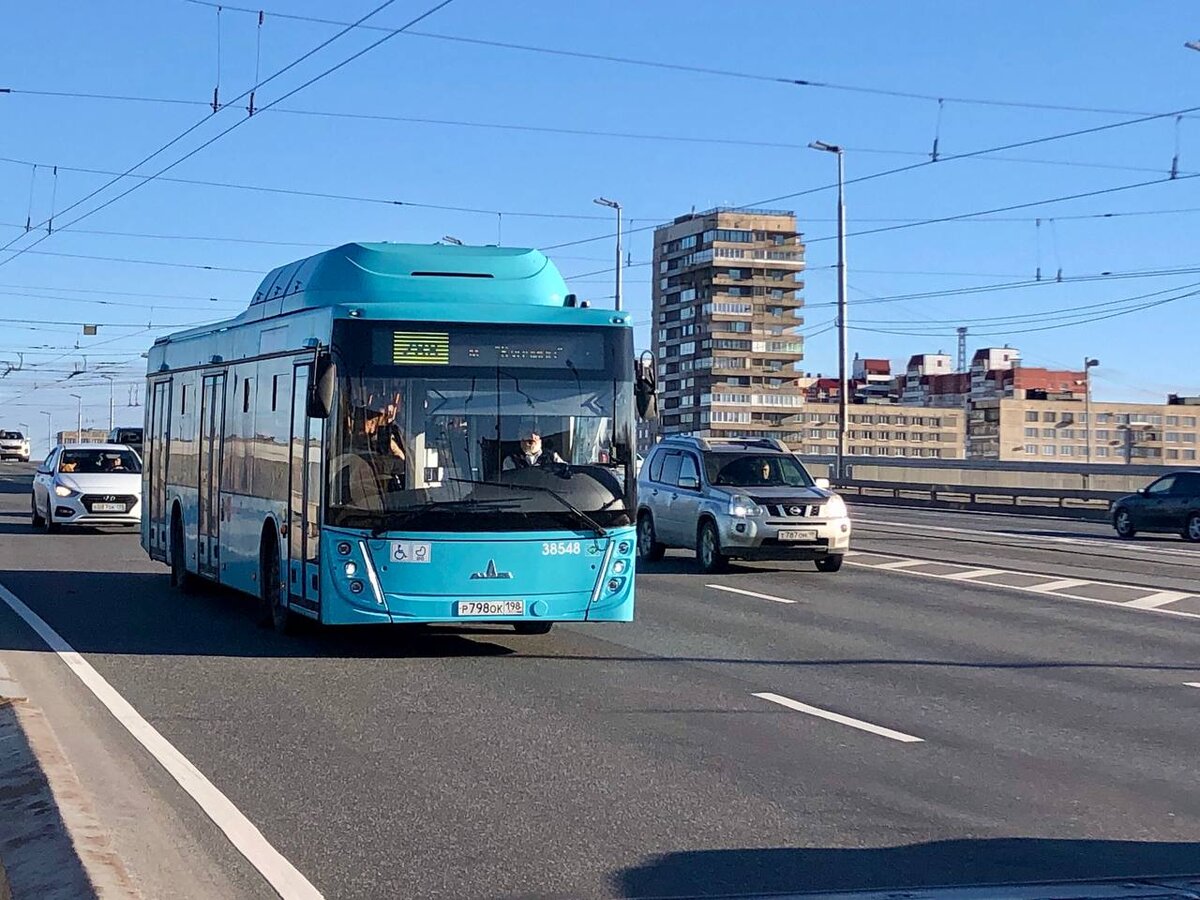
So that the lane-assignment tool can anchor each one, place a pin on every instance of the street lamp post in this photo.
(614, 205)
(49, 431)
(843, 380)
(1088, 365)
(111, 403)
(79, 420)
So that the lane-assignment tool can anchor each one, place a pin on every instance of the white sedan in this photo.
(87, 484)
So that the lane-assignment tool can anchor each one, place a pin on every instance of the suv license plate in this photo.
(108, 507)
(491, 607)
(804, 534)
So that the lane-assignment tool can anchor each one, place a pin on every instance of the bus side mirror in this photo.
(320, 390)
(645, 387)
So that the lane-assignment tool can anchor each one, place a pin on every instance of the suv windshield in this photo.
(765, 470)
(129, 436)
(11, 436)
(99, 462)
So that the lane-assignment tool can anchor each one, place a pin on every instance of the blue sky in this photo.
(1090, 54)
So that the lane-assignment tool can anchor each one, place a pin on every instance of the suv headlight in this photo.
(741, 506)
(835, 507)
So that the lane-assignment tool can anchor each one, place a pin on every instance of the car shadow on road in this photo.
(961, 863)
(139, 613)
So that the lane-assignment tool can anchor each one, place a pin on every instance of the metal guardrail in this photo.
(1081, 504)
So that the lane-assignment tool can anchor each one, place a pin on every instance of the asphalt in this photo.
(1057, 737)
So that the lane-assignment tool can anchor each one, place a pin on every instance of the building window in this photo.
(1102, 434)
(1188, 438)
(1103, 418)
(1047, 449)
(1100, 451)
(1172, 453)
(1172, 420)
(1067, 451)
(1172, 437)
(1189, 454)
(1049, 433)
(1189, 421)
(1049, 416)
(1031, 449)
(1031, 415)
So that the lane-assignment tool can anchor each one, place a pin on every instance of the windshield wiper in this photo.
(566, 504)
(398, 517)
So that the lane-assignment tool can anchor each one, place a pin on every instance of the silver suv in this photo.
(737, 498)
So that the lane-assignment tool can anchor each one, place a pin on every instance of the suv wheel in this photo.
(708, 549)
(649, 549)
(1192, 532)
(831, 563)
(1123, 523)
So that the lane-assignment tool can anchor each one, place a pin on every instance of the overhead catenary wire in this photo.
(326, 72)
(702, 70)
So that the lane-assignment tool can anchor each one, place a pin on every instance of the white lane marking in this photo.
(1195, 684)
(1047, 589)
(733, 590)
(285, 878)
(916, 530)
(839, 718)
(902, 563)
(973, 573)
(1154, 601)
(1051, 586)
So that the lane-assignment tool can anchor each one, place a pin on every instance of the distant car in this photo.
(87, 484)
(1171, 504)
(130, 437)
(737, 498)
(14, 445)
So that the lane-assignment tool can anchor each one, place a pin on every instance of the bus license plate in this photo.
(108, 507)
(803, 534)
(491, 607)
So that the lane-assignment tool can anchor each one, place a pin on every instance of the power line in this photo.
(701, 70)
(240, 122)
(183, 237)
(575, 132)
(127, 259)
(119, 293)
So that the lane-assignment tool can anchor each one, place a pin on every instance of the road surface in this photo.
(895, 724)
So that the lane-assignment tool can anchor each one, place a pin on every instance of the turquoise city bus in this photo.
(400, 433)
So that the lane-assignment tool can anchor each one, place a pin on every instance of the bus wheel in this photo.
(181, 579)
(532, 627)
(272, 611)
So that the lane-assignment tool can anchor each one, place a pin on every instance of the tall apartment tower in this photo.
(726, 303)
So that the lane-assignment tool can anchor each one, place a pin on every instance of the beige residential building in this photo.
(726, 306)
(883, 430)
(1057, 431)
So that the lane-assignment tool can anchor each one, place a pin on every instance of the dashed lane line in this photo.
(733, 590)
(839, 718)
(285, 878)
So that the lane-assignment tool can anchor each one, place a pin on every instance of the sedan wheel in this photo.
(1123, 523)
(1192, 532)
(35, 517)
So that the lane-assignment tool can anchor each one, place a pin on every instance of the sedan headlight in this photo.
(835, 507)
(741, 506)
(63, 491)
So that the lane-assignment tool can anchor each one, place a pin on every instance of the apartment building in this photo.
(726, 306)
(883, 430)
(1056, 429)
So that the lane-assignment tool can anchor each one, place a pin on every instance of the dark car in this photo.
(130, 437)
(1170, 504)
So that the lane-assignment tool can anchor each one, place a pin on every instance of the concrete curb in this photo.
(51, 843)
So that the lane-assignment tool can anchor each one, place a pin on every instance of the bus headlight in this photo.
(618, 568)
(350, 568)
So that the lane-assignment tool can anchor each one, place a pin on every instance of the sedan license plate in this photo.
(491, 607)
(803, 534)
(108, 507)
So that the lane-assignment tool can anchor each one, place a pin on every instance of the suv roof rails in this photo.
(708, 443)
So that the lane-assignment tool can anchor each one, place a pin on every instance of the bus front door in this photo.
(157, 448)
(212, 427)
(304, 497)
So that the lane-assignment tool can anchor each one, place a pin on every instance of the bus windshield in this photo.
(535, 437)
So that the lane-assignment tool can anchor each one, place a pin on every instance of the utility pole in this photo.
(111, 403)
(1088, 365)
(614, 205)
(49, 431)
(79, 420)
(843, 380)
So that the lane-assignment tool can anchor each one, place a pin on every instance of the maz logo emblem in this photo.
(490, 572)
